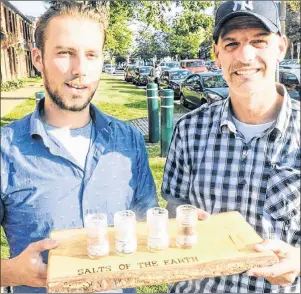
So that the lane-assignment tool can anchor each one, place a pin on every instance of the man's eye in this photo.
(65, 53)
(92, 55)
(232, 44)
(260, 43)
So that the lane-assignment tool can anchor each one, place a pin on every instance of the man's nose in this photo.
(80, 65)
(246, 53)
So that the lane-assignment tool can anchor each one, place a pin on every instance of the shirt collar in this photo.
(102, 122)
(282, 120)
(226, 118)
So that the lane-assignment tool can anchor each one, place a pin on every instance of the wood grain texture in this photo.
(224, 248)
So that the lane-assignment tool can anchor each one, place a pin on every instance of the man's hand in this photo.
(283, 273)
(28, 267)
(202, 214)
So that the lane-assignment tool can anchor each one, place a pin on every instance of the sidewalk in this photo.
(9, 100)
(142, 123)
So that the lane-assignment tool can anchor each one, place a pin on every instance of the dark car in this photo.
(141, 75)
(173, 79)
(129, 72)
(202, 88)
(290, 78)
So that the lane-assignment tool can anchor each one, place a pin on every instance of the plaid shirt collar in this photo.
(280, 125)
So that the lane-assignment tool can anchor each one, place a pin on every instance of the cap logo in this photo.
(243, 5)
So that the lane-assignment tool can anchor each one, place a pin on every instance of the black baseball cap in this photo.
(265, 11)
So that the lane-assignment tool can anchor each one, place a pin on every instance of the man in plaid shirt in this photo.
(243, 153)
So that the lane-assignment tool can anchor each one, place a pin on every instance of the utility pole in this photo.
(282, 16)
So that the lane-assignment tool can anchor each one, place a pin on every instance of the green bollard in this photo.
(153, 112)
(167, 110)
(39, 95)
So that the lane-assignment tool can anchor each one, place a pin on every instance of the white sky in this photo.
(32, 8)
(36, 8)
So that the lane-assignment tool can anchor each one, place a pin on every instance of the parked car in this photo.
(202, 88)
(141, 75)
(129, 72)
(289, 76)
(173, 64)
(173, 79)
(194, 65)
(152, 75)
(286, 62)
(212, 66)
(104, 67)
(109, 68)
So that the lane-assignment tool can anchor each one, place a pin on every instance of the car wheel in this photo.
(183, 101)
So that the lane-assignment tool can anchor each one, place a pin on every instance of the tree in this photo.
(118, 36)
(119, 13)
(190, 29)
(294, 5)
(151, 44)
(292, 25)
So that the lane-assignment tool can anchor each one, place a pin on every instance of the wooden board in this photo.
(224, 248)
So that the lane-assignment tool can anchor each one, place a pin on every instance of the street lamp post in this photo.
(282, 15)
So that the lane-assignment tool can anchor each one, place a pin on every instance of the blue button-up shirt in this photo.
(44, 189)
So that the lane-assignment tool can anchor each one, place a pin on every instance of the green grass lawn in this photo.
(123, 101)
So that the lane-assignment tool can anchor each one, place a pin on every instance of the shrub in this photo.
(12, 85)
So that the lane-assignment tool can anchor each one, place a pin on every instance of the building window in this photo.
(6, 19)
(10, 21)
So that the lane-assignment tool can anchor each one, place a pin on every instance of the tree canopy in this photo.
(187, 35)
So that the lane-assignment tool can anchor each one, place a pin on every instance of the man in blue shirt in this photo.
(67, 158)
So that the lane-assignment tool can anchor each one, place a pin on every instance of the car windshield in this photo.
(164, 68)
(173, 64)
(109, 66)
(195, 63)
(145, 70)
(131, 67)
(179, 75)
(214, 82)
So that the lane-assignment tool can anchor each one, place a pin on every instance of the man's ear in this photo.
(283, 44)
(37, 61)
(216, 55)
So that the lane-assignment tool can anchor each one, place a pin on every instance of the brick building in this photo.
(17, 39)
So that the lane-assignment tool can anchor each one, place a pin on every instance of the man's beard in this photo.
(57, 99)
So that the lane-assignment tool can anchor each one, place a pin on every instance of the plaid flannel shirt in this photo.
(210, 165)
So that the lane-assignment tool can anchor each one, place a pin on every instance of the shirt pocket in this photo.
(282, 204)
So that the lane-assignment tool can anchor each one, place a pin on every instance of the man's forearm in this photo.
(8, 273)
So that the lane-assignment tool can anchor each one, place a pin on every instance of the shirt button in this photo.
(242, 182)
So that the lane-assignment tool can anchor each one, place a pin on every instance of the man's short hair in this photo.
(69, 8)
